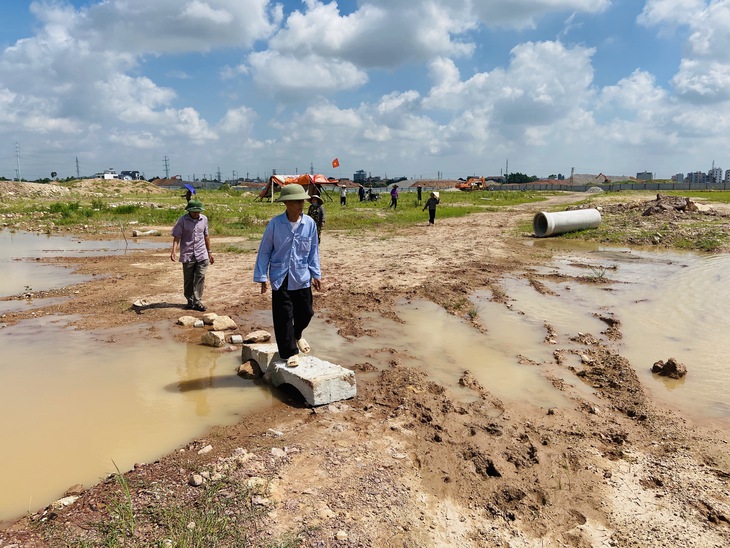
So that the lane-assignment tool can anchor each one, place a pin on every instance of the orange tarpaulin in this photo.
(312, 183)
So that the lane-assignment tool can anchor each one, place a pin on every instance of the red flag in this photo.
(336, 162)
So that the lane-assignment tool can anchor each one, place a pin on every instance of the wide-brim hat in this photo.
(316, 197)
(195, 205)
(292, 192)
(435, 194)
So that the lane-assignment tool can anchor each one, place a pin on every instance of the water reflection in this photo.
(82, 399)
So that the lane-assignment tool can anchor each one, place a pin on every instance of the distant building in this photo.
(130, 175)
(645, 176)
(359, 176)
(697, 178)
(109, 174)
(678, 178)
(727, 177)
(715, 175)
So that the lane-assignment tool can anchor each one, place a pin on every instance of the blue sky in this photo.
(393, 87)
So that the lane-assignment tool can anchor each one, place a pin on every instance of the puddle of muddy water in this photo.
(20, 253)
(80, 400)
(669, 305)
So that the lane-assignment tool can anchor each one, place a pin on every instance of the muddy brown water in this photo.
(74, 403)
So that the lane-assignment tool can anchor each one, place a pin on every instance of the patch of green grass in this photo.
(121, 522)
(212, 520)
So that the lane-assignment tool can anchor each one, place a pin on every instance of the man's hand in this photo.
(173, 256)
(263, 287)
(210, 258)
(317, 284)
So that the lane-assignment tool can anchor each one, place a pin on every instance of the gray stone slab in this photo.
(320, 382)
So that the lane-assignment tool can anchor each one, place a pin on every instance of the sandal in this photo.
(292, 361)
(303, 346)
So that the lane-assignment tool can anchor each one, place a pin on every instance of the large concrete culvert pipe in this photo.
(549, 224)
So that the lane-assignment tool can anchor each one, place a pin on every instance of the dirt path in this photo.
(403, 464)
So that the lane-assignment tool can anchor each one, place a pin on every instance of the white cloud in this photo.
(290, 76)
(672, 12)
(238, 121)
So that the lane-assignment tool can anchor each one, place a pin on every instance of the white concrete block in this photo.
(318, 381)
(262, 353)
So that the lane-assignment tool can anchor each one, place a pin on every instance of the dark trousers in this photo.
(194, 280)
(393, 202)
(343, 200)
(291, 310)
(431, 216)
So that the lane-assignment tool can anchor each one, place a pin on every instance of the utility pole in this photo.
(311, 168)
(78, 174)
(166, 164)
(219, 175)
(17, 160)
(572, 170)
(506, 171)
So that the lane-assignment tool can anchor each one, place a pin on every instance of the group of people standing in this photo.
(287, 260)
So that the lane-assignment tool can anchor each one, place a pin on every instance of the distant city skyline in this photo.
(395, 88)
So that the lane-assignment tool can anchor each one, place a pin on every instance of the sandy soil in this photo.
(403, 464)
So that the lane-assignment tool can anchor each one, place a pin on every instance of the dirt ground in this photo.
(403, 463)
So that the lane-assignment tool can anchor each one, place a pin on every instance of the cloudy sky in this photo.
(415, 88)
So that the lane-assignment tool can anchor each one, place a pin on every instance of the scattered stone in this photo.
(65, 501)
(671, 368)
(278, 453)
(215, 339)
(187, 321)
(209, 317)
(223, 323)
(206, 449)
(138, 233)
(341, 535)
(140, 303)
(236, 339)
(196, 480)
(77, 489)
(260, 336)
(249, 370)
(198, 323)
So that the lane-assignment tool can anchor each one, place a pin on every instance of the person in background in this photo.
(394, 197)
(187, 195)
(288, 256)
(419, 188)
(316, 212)
(190, 234)
(431, 204)
(361, 193)
(343, 195)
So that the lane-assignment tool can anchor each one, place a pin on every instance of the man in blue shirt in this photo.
(288, 256)
(191, 234)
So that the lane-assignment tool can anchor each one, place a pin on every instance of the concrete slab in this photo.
(318, 381)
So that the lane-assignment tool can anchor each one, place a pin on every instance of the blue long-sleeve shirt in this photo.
(283, 252)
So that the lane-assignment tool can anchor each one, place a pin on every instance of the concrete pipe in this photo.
(549, 224)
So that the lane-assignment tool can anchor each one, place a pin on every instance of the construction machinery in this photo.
(472, 183)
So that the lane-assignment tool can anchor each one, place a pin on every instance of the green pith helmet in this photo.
(292, 191)
(195, 205)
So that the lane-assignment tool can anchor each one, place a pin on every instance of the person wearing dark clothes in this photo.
(187, 195)
(361, 193)
(394, 197)
(316, 212)
(419, 188)
(431, 204)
